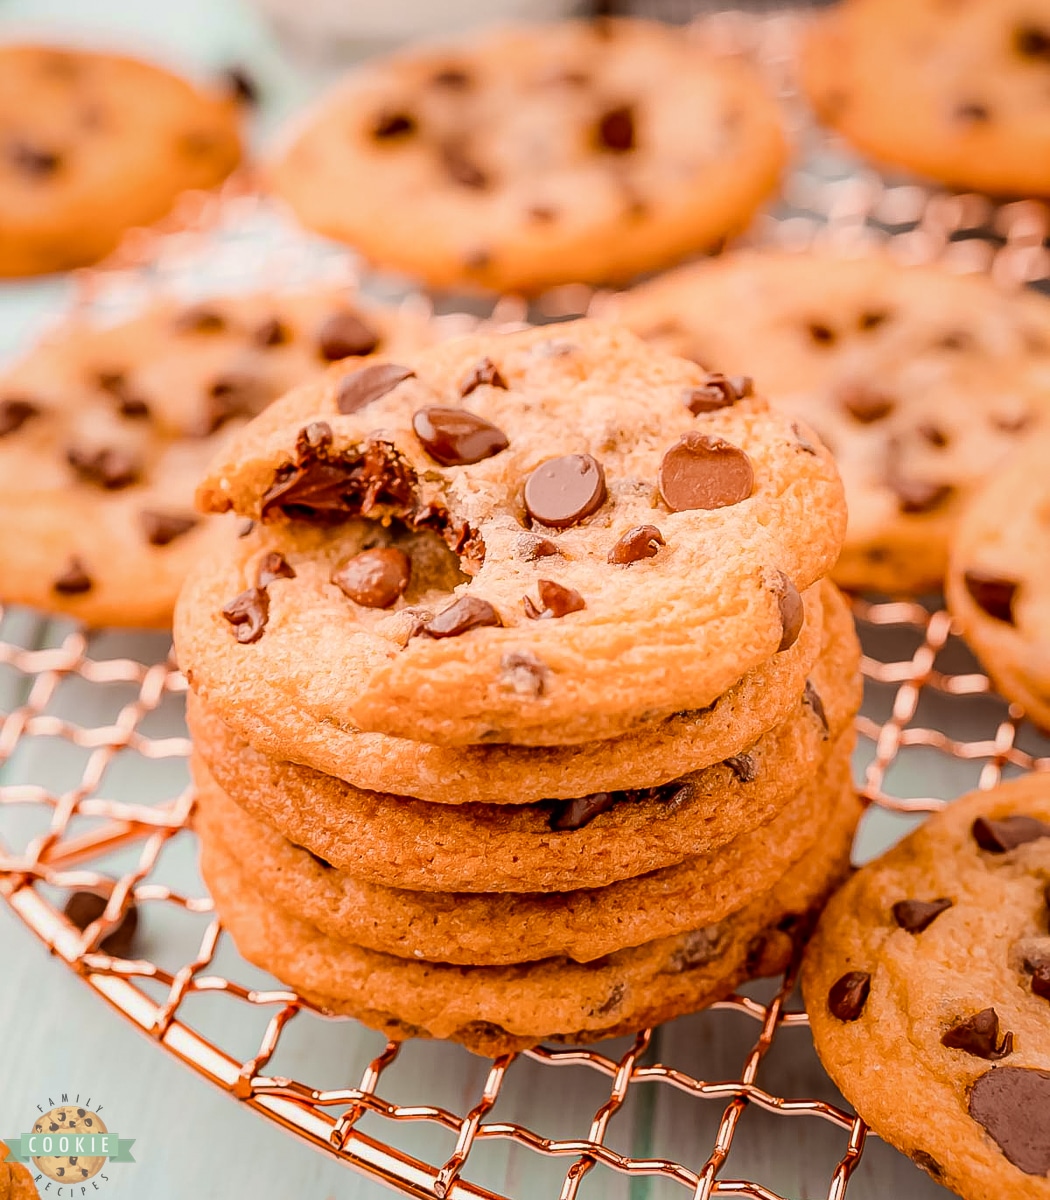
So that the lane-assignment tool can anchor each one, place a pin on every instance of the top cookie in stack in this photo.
(503, 602)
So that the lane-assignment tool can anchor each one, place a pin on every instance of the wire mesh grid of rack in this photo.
(931, 728)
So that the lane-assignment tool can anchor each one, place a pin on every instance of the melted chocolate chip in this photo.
(1007, 833)
(455, 437)
(86, 905)
(374, 578)
(530, 546)
(273, 566)
(720, 391)
(643, 541)
(927, 1163)
(848, 995)
(865, 404)
(743, 767)
(162, 528)
(792, 612)
(461, 616)
(811, 697)
(701, 472)
(313, 439)
(979, 1035)
(917, 915)
(992, 594)
(199, 319)
(523, 673)
(248, 614)
(108, 468)
(14, 412)
(1032, 41)
(1041, 981)
(74, 580)
(392, 125)
(240, 84)
(1013, 1106)
(615, 130)
(461, 168)
(570, 815)
(563, 491)
(271, 332)
(36, 162)
(345, 335)
(371, 383)
(484, 373)
(555, 601)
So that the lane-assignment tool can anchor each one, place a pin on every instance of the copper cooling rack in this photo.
(92, 716)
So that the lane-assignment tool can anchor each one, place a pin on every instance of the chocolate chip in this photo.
(345, 335)
(240, 84)
(555, 601)
(14, 412)
(866, 405)
(792, 612)
(720, 391)
(642, 541)
(371, 383)
(108, 468)
(1007, 833)
(955, 339)
(455, 437)
(86, 905)
(530, 546)
(820, 333)
(973, 111)
(162, 528)
(484, 373)
(233, 394)
(811, 697)
(392, 125)
(927, 1163)
(918, 496)
(374, 578)
(933, 434)
(615, 129)
(1013, 1106)
(571, 815)
(199, 319)
(848, 995)
(612, 1001)
(313, 439)
(917, 915)
(478, 259)
(133, 406)
(248, 614)
(1032, 41)
(872, 318)
(454, 78)
(523, 673)
(273, 566)
(324, 491)
(35, 161)
(701, 472)
(461, 616)
(992, 594)
(979, 1035)
(1041, 981)
(743, 767)
(461, 168)
(563, 491)
(696, 949)
(74, 580)
(271, 332)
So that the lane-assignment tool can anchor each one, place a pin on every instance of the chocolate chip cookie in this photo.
(94, 143)
(105, 430)
(918, 380)
(16, 1182)
(928, 984)
(527, 157)
(585, 841)
(958, 92)
(492, 1010)
(999, 578)
(560, 548)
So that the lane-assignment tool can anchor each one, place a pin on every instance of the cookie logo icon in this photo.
(69, 1147)
(61, 1123)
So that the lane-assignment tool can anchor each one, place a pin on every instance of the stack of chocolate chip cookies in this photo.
(522, 707)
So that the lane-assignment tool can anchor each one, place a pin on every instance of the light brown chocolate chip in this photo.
(345, 335)
(484, 373)
(563, 491)
(701, 472)
(461, 616)
(74, 580)
(162, 528)
(720, 391)
(248, 614)
(273, 566)
(792, 612)
(555, 601)
(643, 541)
(371, 383)
(374, 578)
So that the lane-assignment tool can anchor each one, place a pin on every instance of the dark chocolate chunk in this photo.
(368, 384)
(848, 995)
(1013, 1106)
(74, 580)
(483, 373)
(811, 697)
(743, 767)
(162, 528)
(555, 601)
(456, 437)
(271, 332)
(523, 673)
(792, 612)
(615, 129)
(563, 491)
(570, 815)
(14, 412)
(865, 404)
(461, 616)
(992, 593)
(1041, 981)
(248, 614)
(316, 489)
(273, 566)
(979, 1035)
(345, 335)
(35, 162)
(643, 541)
(1007, 833)
(86, 905)
(720, 391)
(108, 468)
(917, 915)
(374, 578)
(392, 125)
(701, 472)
